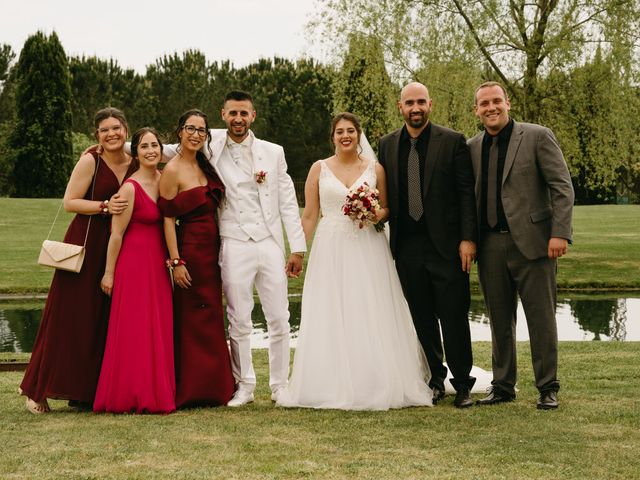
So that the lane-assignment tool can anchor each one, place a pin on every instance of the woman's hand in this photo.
(181, 276)
(107, 283)
(117, 204)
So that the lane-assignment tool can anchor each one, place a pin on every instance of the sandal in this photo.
(37, 408)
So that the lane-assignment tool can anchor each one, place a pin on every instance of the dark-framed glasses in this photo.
(190, 129)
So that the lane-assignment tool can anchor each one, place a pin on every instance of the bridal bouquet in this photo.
(361, 206)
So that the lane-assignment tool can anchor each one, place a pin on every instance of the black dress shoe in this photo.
(438, 394)
(463, 398)
(496, 396)
(547, 400)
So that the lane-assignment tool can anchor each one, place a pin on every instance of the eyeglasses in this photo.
(190, 129)
(114, 129)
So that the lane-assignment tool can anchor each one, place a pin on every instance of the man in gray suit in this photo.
(524, 199)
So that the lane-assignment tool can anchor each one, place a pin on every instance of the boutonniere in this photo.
(261, 176)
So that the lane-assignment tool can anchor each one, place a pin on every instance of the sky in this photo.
(137, 32)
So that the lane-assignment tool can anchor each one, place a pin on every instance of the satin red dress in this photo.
(137, 370)
(67, 354)
(203, 366)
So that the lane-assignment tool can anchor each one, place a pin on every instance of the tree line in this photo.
(567, 65)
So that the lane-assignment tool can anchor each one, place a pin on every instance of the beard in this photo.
(417, 121)
(238, 130)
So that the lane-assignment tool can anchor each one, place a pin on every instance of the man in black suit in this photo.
(430, 187)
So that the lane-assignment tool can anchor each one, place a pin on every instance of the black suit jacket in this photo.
(448, 190)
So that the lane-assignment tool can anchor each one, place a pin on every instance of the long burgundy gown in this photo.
(67, 354)
(203, 366)
(137, 370)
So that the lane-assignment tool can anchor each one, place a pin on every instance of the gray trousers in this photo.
(504, 275)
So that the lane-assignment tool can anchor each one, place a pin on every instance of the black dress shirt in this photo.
(406, 224)
(503, 144)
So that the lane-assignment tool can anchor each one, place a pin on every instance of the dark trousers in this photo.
(504, 275)
(437, 291)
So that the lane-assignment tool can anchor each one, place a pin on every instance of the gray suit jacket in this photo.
(537, 194)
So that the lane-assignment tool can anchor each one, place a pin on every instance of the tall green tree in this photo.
(97, 83)
(519, 42)
(41, 135)
(592, 122)
(363, 87)
(178, 83)
(7, 105)
(293, 102)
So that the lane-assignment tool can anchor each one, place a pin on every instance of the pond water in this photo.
(580, 317)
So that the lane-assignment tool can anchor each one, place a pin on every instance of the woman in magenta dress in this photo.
(190, 191)
(137, 370)
(67, 353)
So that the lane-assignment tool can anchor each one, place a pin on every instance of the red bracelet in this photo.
(171, 263)
(104, 208)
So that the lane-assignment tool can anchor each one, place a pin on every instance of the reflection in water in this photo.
(579, 318)
(603, 317)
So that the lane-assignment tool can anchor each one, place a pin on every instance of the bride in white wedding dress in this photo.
(357, 348)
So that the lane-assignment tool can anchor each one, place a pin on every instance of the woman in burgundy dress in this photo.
(137, 370)
(190, 192)
(67, 353)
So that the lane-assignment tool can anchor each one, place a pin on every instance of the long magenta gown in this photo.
(67, 353)
(137, 370)
(203, 366)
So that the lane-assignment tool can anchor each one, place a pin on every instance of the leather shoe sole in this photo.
(494, 398)
(463, 400)
(438, 395)
(547, 401)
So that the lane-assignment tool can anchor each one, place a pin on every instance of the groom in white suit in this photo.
(259, 199)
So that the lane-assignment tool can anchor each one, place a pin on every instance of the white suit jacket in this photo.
(277, 194)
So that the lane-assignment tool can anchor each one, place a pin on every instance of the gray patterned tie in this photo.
(413, 182)
(492, 184)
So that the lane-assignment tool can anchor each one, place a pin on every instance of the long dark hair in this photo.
(135, 141)
(201, 158)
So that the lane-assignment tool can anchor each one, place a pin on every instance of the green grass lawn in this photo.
(595, 434)
(605, 254)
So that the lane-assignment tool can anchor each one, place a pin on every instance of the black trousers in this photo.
(437, 291)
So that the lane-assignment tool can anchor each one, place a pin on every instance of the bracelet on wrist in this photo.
(104, 208)
(172, 263)
(298, 254)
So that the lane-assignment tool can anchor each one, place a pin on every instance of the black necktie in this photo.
(492, 184)
(413, 182)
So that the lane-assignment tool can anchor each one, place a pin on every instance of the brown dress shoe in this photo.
(547, 400)
(496, 396)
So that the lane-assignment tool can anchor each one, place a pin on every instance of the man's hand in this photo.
(467, 250)
(557, 247)
(294, 266)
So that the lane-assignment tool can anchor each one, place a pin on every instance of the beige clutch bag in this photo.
(64, 256)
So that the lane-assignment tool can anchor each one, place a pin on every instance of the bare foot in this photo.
(37, 407)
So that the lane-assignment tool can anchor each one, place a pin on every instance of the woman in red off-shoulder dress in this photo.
(190, 194)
